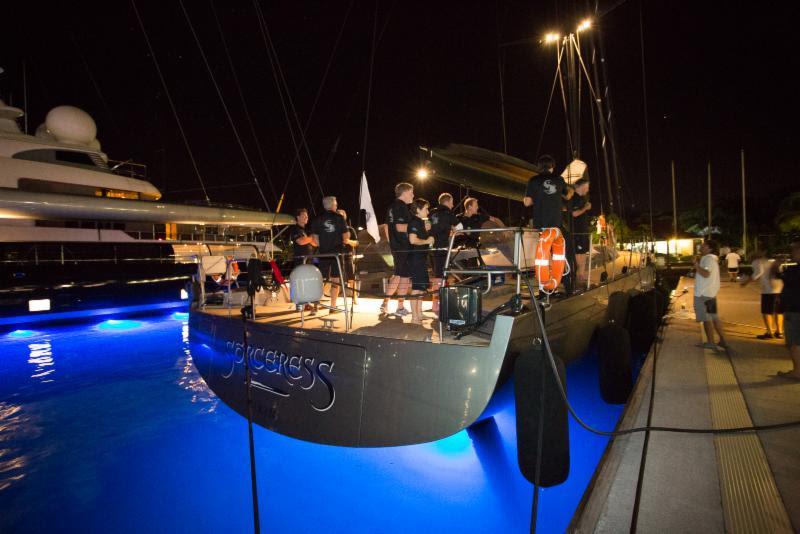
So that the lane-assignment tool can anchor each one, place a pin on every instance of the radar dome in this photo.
(306, 284)
(69, 124)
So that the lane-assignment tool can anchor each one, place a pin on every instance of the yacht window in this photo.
(70, 158)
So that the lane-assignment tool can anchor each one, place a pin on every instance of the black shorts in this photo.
(417, 265)
(581, 244)
(439, 258)
(771, 303)
(401, 264)
(330, 269)
(733, 270)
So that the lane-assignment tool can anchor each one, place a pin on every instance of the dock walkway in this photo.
(747, 482)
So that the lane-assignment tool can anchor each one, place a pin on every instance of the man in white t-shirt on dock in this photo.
(732, 259)
(706, 287)
(771, 288)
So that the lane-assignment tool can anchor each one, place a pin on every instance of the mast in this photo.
(674, 204)
(709, 200)
(744, 210)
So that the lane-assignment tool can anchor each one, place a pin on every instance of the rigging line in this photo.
(260, 19)
(646, 121)
(224, 105)
(353, 97)
(103, 101)
(369, 90)
(549, 103)
(171, 103)
(303, 141)
(244, 102)
(596, 153)
(331, 153)
(564, 102)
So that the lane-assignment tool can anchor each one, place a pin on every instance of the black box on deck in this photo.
(460, 306)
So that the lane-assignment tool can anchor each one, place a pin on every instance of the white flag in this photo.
(366, 205)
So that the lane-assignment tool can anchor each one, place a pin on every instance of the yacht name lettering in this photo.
(303, 372)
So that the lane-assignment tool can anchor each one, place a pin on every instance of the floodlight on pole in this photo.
(551, 37)
(584, 25)
(422, 173)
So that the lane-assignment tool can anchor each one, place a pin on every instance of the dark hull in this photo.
(368, 391)
(89, 288)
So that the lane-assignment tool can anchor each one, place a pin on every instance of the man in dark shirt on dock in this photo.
(790, 302)
(302, 242)
(330, 231)
(442, 220)
(579, 207)
(546, 192)
(397, 219)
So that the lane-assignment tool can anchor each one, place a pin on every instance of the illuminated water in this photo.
(107, 427)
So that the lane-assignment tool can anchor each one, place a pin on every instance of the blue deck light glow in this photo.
(181, 316)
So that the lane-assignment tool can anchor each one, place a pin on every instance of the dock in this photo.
(744, 482)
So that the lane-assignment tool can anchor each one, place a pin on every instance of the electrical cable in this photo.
(248, 386)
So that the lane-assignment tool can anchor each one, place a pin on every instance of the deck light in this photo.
(39, 305)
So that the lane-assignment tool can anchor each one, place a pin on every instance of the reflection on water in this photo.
(12, 460)
(190, 379)
(41, 356)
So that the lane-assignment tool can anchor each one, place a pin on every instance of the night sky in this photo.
(718, 80)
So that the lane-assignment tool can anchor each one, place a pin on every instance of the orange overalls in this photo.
(549, 270)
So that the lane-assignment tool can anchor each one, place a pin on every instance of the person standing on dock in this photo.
(790, 301)
(579, 207)
(330, 231)
(732, 260)
(443, 220)
(771, 287)
(397, 218)
(706, 287)
(546, 192)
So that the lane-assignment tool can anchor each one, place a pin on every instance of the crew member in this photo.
(418, 258)
(579, 207)
(349, 261)
(442, 222)
(330, 231)
(397, 218)
(546, 192)
(473, 218)
(302, 242)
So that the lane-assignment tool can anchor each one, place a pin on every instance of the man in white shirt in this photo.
(733, 259)
(771, 288)
(706, 287)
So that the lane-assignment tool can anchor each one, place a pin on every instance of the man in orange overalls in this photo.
(546, 192)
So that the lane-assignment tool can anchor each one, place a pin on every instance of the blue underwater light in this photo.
(22, 333)
(119, 324)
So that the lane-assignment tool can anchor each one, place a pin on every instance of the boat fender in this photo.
(617, 311)
(615, 373)
(539, 405)
(643, 320)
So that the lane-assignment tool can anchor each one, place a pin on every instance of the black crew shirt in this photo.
(580, 224)
(471, 223)
(330, 227)
(790, 296)
(417, 226)
(442, 220)
(398, 213)
(546, 190)
(296, 233)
